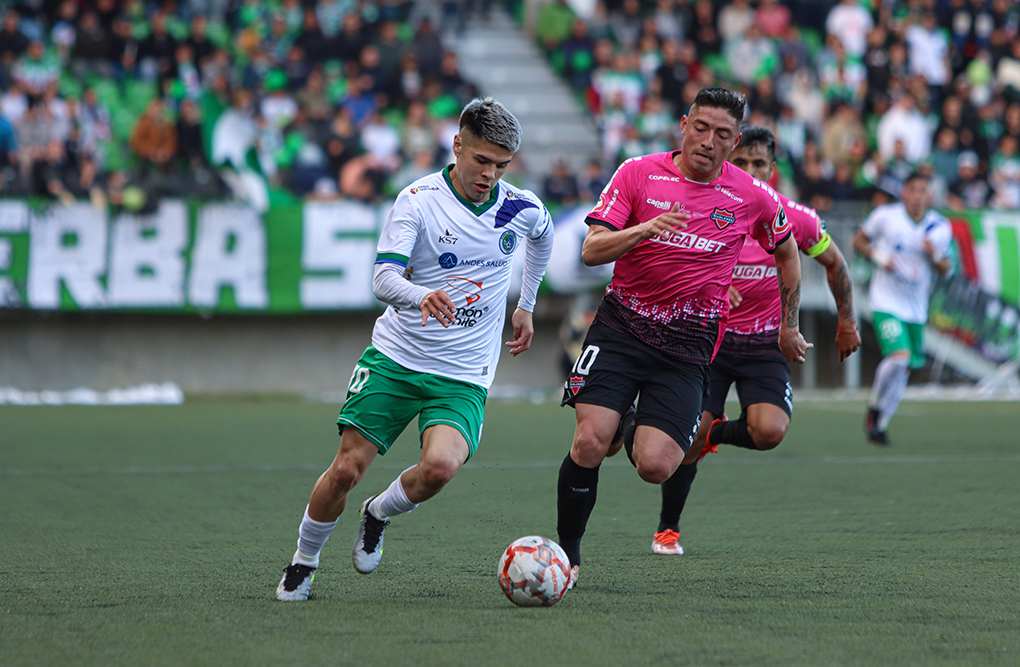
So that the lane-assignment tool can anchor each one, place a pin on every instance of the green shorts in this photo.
(895, 335)
(383, 397)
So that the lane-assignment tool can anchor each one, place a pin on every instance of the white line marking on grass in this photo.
(508, 465)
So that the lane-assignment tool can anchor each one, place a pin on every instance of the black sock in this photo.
(674, 495)
(732, 433)
(575, 499)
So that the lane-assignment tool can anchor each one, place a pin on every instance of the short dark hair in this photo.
(721, 98)
(489, 120)
(755, 135)
(917, 175)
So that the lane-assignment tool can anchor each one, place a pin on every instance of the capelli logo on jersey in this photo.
(729, 194)
(449, 239)
(664, 205)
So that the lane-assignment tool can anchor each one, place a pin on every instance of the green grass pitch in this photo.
(157, 535)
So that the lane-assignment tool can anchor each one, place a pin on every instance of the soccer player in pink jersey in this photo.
(674, 224)
(749, 355)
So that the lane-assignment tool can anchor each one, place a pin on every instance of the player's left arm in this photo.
(536, 257)
(936, 247)
(848, 340)
(787, 259)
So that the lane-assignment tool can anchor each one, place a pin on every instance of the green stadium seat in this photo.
(122, 121)
(70, 88)
(219, 34)
(138, 94)
(107, 91)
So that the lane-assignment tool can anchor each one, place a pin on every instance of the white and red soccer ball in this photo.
(534, 571)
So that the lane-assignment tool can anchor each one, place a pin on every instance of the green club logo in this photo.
(507, 242)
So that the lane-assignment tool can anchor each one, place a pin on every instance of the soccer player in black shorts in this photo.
(674, 224)
(749, 355)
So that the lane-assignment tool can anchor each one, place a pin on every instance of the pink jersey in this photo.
(753, 326)
(671, 293)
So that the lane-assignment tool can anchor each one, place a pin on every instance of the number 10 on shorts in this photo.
(585, 360)
(358, 379)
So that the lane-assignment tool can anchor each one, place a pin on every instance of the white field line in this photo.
(509, 465)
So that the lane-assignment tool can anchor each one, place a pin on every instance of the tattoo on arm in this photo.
(790, 298)
(839, 285)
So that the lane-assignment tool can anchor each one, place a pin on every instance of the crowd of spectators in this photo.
(859, 92)
(341, 98)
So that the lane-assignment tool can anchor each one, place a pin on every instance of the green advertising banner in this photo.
(189, 258)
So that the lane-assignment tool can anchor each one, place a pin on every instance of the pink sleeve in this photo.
(807, 226)
(770, 226)
(614, 204)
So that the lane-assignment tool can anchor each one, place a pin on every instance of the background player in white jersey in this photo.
(663, 314)
(908, 242)
(749, 355)
(443, 267)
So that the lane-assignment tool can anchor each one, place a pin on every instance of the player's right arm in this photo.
(864, 245)
(396, 243)
(603, 245)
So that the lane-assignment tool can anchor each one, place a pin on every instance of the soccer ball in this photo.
(534, 571)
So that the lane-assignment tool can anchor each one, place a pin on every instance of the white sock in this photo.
(392, 501)
(890, 382)
(312, 535)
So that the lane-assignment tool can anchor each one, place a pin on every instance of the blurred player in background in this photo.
(674, 223)
(444, 267)
(749, 355)
(907, 242)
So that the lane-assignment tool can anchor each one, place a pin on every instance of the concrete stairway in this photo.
(504, 63)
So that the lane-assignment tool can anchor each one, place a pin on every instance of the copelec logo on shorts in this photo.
(447, 260)
(507, 242)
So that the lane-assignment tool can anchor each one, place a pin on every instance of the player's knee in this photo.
(768, 437)
(588, 449)
(342, 476)
(653, 472)
(435, 474)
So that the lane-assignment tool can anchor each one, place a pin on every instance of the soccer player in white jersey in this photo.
(443, 267)
(674, 224)
(908, 243)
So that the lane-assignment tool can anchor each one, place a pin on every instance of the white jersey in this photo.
(445, 242)
(904, 291)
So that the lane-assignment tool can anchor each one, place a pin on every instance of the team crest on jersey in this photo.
(508, 242)
(575, 383)
(722, 217)
(472, 290)
(447, 260)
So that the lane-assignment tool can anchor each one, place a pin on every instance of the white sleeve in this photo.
(872, 226)
(393, 289)
(536, 258)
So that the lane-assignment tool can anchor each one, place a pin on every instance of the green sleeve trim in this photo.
(391, 257)
(820, 247)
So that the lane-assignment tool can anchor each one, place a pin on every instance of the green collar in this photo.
(477, 209)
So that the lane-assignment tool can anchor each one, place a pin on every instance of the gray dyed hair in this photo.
(489, 120)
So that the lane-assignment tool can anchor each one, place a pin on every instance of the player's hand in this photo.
(524, 331)
(663, 225)
(439, 305)
(793, 344)
(735, 297)
(847, 341)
